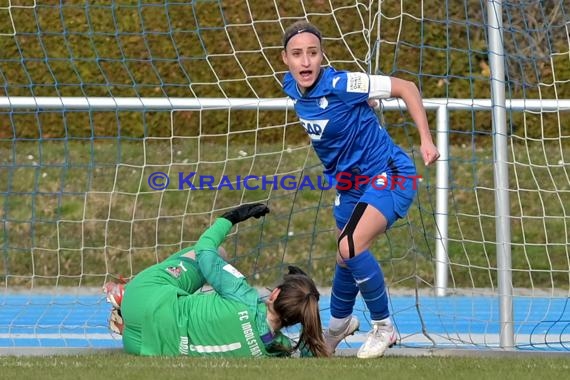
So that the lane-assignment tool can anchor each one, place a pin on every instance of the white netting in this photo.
(78, 207)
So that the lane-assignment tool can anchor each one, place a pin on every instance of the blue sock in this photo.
(344, 291)
(370, 280)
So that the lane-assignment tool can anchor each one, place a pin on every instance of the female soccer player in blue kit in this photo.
(378, 178)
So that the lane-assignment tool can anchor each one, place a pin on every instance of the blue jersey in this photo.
(345, 132)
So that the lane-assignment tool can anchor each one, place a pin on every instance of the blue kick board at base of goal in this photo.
(65, 321)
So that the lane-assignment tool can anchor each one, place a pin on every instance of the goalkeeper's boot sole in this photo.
(333, 338)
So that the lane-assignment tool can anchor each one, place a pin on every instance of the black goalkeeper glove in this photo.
(244, 212)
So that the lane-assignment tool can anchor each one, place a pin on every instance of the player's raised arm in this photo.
(222, 276)
(213, 237)
(410, 94)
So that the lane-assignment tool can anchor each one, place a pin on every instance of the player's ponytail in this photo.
(312, 332)
(298, 302)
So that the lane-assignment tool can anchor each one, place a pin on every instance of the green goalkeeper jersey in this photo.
(164, 315)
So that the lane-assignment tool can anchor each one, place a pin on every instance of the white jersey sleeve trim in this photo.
(380, 87)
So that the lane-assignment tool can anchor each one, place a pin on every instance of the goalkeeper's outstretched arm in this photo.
(222, 276)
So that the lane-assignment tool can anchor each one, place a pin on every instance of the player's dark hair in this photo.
(298, 302)
(300, 27)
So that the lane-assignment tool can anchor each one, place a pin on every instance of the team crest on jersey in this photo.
(357, 82)
(174, 271)
(177, 270)
(323, 103)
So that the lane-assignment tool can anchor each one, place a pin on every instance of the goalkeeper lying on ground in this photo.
(163, 314)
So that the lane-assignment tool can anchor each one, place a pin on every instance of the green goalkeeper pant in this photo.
(150, 306)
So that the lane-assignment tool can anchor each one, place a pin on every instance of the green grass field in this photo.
(122, 366)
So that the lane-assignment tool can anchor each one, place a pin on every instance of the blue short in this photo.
(391, 192)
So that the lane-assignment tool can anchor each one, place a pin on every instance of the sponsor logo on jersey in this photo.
(233, 271)
(335, 81)
(314, 128)
(357, 82)
(183, 346)
(381, 180)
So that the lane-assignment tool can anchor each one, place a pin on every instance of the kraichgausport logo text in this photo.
(341, 181)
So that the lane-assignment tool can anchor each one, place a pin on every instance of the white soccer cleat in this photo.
(380, 338)
(333, 338)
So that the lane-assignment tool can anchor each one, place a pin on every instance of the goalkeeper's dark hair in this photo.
(298, 302)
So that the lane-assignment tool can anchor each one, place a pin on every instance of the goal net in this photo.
(127, 127)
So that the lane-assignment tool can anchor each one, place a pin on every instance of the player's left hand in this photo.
(430, 154)
(374, 103)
